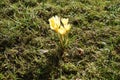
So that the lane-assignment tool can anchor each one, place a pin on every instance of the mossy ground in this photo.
(28, 46)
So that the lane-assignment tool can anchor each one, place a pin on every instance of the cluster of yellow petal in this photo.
(59, 25)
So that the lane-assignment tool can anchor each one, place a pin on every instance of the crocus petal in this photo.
(64, 21)
(61, 30)
(57, 20)
(52, 22)
(67, 27)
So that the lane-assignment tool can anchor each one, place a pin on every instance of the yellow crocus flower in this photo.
(59, 25)
(65, 24)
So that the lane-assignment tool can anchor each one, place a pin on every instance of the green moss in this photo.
(25, 36)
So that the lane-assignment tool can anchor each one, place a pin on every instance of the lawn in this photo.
(29, 47)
